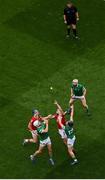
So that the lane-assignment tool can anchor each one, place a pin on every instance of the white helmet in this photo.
(37, 123)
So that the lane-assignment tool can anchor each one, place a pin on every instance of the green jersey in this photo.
(42, 136)
(78, 90)
(69, 132)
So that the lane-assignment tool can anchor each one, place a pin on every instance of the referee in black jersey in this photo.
(71, 17)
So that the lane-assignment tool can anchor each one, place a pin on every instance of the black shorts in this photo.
(71, 21)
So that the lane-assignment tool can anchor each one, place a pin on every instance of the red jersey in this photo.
(33, 119)
(63, 120)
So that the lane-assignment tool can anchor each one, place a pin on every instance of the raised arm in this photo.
(46, 117)
(60, 123)
(59, 107)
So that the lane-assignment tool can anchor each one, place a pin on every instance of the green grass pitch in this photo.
(35, 55)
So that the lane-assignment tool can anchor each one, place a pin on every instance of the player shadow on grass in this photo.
(91, 164)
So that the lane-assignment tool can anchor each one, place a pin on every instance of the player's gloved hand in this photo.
(65, 22)
(77, 18)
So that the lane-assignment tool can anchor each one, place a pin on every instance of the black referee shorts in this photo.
(71, 21)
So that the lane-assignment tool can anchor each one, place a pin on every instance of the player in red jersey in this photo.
(36, 117)
(60, 118)
(32, 128)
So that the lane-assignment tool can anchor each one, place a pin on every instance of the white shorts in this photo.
(34, 133)
(70, 142)
(78, 97)
(62, 133)
(45, 142)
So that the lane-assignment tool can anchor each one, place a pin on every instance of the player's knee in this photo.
(71, 103)
(72, 108)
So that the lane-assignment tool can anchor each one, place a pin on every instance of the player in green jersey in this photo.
(78, 92)
(42, 131)
(70, 140)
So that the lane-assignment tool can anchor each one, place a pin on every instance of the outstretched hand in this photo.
(49, 116)
(55, 102)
